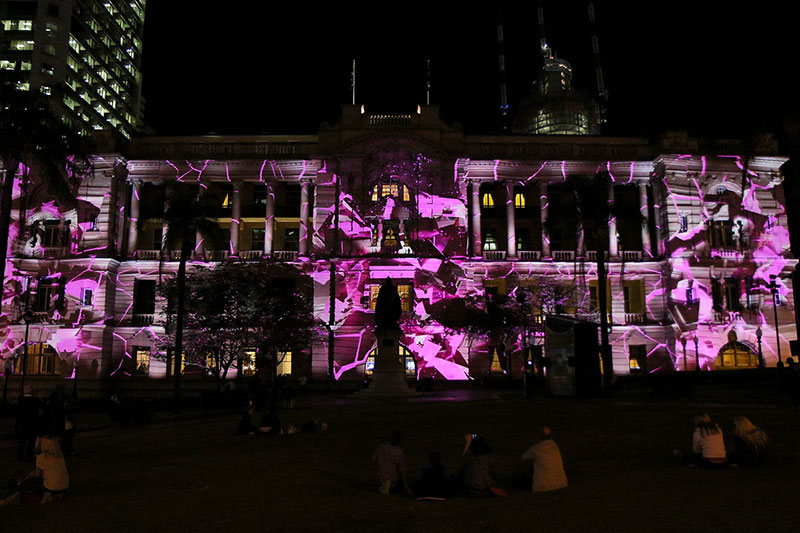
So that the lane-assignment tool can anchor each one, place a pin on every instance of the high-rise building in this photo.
(84, 55)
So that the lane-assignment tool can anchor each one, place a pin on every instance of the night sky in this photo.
(714, 68)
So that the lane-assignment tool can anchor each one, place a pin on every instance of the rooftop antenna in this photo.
(601, 87)
(353, 81)
(503, 92)
(542, 40)
(428, 83)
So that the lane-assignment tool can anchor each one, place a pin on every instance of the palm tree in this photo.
(31, 134)
(187, 214)
(586, 207)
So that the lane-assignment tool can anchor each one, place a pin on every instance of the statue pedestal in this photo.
(389, 373)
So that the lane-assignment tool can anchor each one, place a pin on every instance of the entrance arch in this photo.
(735, 355)
(409, 362)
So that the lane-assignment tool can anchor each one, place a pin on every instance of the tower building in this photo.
(84, 55)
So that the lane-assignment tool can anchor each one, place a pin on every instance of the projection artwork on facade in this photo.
(699, 249)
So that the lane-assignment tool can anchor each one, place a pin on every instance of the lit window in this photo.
(7, 65)
(141, 358)
(249, 363)
(25, 65)
(403, 290)
(409, 363)
(42, 359)
(21, 45)
(48, 69)
(488, 200)
(171, 362)
(22, 86)
(226, 201)
(284, 363)
(489, 241)
(519, 200)
(51, 30)
(46, 89)
(17, 25)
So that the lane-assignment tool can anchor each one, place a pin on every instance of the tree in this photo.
(237, 306)
(32, 135)
(585, 207)
(187, 213)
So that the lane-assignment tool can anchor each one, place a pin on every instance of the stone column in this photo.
(613, 244)
(644, 209)
(511, 232)
(477, 245)
(544, 201)
(236, 213)
(133, 229)
(269, 220)
(304, 210)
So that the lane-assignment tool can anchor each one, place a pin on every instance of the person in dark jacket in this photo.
(27, 424)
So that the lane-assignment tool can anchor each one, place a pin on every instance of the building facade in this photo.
(698, 253)
(83, 55)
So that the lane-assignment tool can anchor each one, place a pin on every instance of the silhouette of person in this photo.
(388, 307)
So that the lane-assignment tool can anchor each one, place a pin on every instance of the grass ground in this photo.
(197, 475)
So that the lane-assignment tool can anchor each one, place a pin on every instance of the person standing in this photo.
(548, 467)
(27, 424)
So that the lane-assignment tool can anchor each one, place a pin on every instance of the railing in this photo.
(634, 318)
(147, 255)
(286, 255)
(529, 255)
(56, 251)
(216, 255)
(250, 255)
(631, 255)
(564, 255)
(389, 120)
(175, 255)
(591, 255)
(139, 319)
(494, 255)
(725, 253)
(40, 316)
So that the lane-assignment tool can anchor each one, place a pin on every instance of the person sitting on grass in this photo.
(708, 446)
(548, 468)
(476, 473)
(391, 462)
(434, 484)
(246, 426)
(50, 479)
(750, 443)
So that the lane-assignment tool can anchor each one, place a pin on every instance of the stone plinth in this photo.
(389, 373)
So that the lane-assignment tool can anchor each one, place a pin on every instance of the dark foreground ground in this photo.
(197, 475)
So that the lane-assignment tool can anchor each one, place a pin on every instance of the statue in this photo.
(387, 308)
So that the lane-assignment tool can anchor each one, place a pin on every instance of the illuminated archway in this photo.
(735, 355)
(409, 362)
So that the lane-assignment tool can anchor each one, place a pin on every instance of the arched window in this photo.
(42, 359)
(735, 355)
(408, 361)
(488, 200)
(519, 200)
